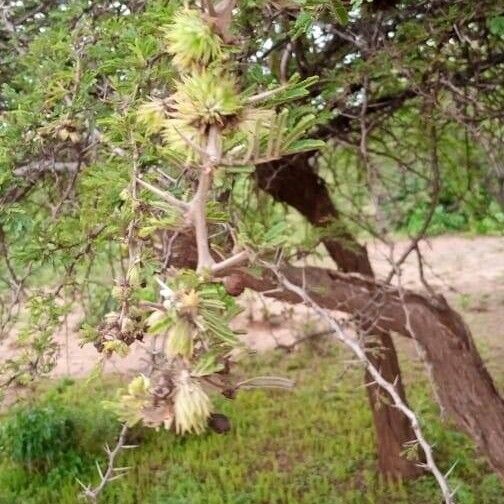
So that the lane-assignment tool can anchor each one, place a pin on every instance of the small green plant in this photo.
(38, 437)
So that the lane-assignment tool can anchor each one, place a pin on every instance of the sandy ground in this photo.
(468, 271)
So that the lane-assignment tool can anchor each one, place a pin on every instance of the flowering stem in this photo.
(198, 203)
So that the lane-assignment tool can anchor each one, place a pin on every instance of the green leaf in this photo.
(275, 235)
(215, 325)
(303, 24)
(294, 90)
(158, 322)
(207, 365)
(496, 26)
(299, 129)
(241, 170)
(305, 146)
(339, 11)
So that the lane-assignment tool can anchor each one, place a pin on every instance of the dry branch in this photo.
(355, 346)
(111, 473)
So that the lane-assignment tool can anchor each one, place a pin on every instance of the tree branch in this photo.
(197, 210)
(179, 204)
(111, 473)
(230, 262)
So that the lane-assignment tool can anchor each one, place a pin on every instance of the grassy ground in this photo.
(313, 445)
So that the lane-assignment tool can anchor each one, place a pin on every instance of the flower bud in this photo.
(180, 341)
(139, 386)
(116, 346)
(189, 303)
(192, 406)
(133, 276)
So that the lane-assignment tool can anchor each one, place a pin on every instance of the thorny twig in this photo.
(355, 346)
(111, 473)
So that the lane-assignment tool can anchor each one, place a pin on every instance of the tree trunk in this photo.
(464, 387)
(294, 182)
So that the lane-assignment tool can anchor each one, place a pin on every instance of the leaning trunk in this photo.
(294, 182)
(465, 389)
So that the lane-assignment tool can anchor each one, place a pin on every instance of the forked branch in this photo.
(111, 473)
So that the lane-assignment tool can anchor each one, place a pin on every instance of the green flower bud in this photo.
(205, 98)
(192, 41)
(181, 338)
(139, 386)
(133, 276)
(116, 346)
(192, 406)
(152, 114)
(125, 194)
(130, 407)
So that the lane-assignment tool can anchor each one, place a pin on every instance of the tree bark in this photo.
(464, 387)
(294, 182)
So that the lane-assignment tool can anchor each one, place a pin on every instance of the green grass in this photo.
(310, 446)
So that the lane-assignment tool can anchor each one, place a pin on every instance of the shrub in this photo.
(39, 437)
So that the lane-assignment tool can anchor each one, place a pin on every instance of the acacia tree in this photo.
(162, 117)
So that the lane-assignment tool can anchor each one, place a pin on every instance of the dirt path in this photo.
(468, 271)
(469, 265)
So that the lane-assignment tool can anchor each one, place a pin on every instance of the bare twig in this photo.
(291, 346)
(390, 388)
(111, 473)
(230, 262)
(181, 205)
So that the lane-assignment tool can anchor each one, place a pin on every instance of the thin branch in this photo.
(259, 97)
(198, 217)
(190, 143)
(197, 210)
(436, 187)
(230, 262)
(390, 388)
(289, 347)
(111, 473)
(181, 205)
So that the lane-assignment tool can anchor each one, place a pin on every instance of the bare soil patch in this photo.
(467, 271)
